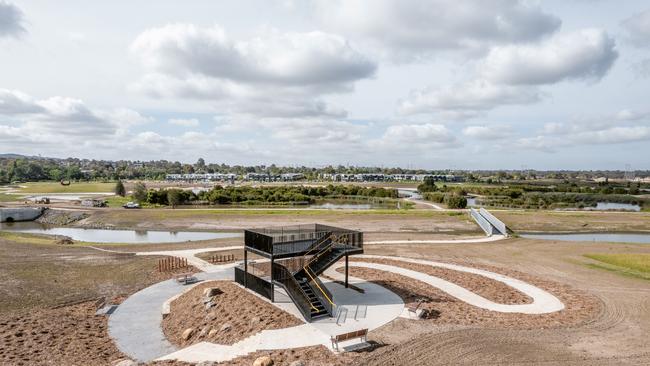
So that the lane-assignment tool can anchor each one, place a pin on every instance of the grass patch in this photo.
(638, 262)
(4, 197)
(56, 187)
(634, 265)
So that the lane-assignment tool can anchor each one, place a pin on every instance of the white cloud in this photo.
(185, 122)
(11, 20)
(16, 102)
(586, 54)
(272, 74)
(418, 133)
(638, 28)
(413, 28)
(492, 132)
(469, 98)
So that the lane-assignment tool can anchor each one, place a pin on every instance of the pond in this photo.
(117, 236)
(638, 238)
(352, 205)
(604, 206)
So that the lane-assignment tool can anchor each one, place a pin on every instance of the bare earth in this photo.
(611, 312)
(237, 315)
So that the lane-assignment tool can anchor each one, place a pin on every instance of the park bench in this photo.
(185, 278)
(361, 334)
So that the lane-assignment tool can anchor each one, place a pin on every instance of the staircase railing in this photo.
(322, 293)
(285, 278)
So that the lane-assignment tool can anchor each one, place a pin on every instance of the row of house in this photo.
(197, 177)
(391, 177)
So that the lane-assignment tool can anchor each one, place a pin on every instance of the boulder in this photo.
(298, 363)
(213, 333)
(226, 327)
(204, 331)
(210, 292)
(187, 333)
(255, 320)
(263, 361)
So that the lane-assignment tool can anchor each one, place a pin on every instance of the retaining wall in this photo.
(20, 214)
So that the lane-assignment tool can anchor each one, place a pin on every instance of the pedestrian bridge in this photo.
(488, 222)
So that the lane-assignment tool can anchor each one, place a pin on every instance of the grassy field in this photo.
(56, 187)
(519, 220)
(635, 265)
(35, 272)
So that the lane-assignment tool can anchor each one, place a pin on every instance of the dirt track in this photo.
(617, 335)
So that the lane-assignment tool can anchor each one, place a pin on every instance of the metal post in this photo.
(272, 285)
(245, 268)
(346, 271)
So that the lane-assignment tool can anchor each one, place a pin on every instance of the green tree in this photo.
(119, 189)
(173, 197)
(140, 192)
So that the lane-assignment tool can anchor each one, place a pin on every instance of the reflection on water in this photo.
(615, 206)
(116, 236)
(593, 237)
(352, 205)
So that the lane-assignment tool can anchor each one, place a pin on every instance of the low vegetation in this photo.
(257, 195)
(633, 264)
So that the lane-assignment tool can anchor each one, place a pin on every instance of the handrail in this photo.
(292, 286)
(317, 285)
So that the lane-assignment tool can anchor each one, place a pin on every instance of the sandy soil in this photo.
(310, 356)
(237, 314)
(232, 219)
(490, 289)
(71, 335)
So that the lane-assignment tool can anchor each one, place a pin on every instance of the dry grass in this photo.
(631, 264)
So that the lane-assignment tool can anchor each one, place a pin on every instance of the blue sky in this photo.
(430, 84)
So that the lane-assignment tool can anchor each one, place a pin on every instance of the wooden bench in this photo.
(414, 307)
(361, 334)
(185, 278)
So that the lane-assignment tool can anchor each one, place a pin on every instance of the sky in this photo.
(436, 84)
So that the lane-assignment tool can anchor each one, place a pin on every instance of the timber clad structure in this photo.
(298, 255)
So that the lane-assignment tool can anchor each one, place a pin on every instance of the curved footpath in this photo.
(136, 324)
(543, 302)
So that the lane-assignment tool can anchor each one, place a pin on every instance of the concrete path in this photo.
(136, 324)
(482, 239)
(190, 255)
(543, 302)
(379, 306)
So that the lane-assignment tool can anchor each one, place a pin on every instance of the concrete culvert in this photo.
(9, 219)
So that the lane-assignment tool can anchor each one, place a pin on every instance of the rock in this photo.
(255, 320)
(297, 363)
(204, 331)
(124, 362)
(226, 327)
(210, 292)
(213, 333)
(64, 240)
(187, 333)
(209, 305)
(263, 361)
(205, 363)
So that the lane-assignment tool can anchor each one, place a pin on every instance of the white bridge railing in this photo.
(482, 222)
(488, 222)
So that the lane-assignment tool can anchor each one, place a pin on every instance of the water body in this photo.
(604, 206)
(594, 237)
(352, 205)
(117, 236)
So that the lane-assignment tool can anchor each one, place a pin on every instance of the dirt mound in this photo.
(488, 288)
(71, 335)
(60, 217)
(442, 308)
(231, 315)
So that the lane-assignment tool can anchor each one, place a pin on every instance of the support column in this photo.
(346, 271)
(245, 268)
(272, 285)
